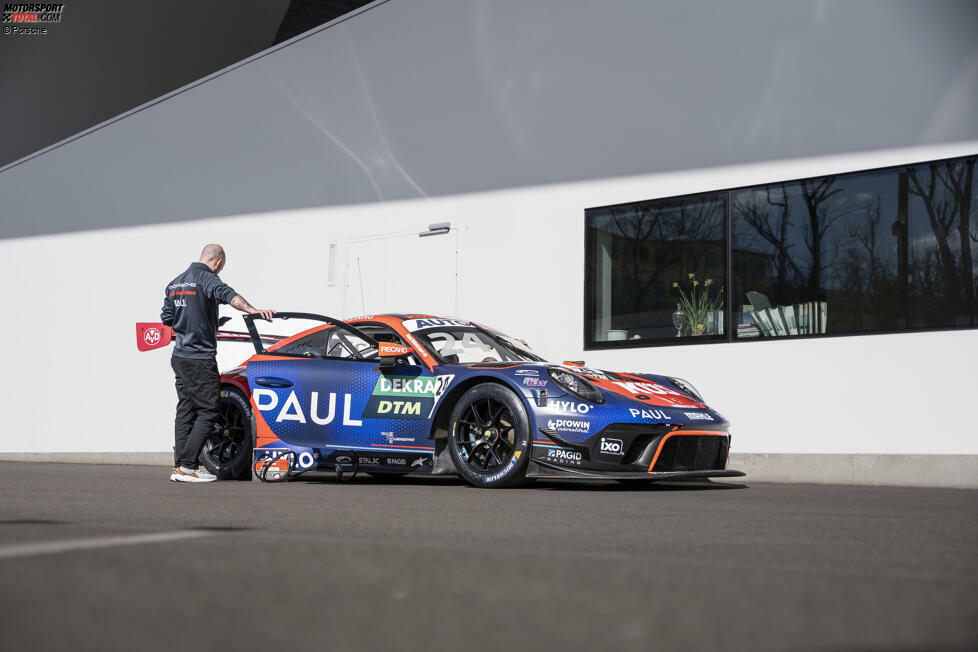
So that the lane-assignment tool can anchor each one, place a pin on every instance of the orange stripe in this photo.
(422, 448)
(683, 433)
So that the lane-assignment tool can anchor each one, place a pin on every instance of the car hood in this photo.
(647, 389)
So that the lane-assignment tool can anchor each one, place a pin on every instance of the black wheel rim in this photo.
(230, 431)
(486, 435)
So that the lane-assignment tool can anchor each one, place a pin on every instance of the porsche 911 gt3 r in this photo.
(400, 394)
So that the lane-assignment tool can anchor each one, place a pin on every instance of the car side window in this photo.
(310, 346)
(342, 344)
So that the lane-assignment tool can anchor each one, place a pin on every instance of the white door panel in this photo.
(402, 273)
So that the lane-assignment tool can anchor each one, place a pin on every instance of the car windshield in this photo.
(472, 345)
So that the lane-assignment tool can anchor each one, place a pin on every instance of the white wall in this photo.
(73, 380)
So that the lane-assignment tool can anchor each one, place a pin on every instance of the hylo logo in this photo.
(570, 406)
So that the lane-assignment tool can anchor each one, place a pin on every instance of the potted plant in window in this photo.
(697, 304)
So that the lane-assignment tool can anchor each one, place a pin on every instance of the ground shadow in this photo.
(571, 484)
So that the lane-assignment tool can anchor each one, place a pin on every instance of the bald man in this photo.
(190, 308)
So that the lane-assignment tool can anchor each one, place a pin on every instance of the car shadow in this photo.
(573, 484)
(658, 485)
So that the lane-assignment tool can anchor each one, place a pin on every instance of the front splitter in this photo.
(542, 470)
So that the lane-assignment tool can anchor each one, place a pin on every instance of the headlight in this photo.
(686, 387)
(576, 385)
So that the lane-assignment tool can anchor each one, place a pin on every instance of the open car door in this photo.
(339, 393)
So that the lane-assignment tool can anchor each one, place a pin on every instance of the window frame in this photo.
(591, 344)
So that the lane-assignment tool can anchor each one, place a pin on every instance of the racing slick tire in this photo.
(227, 452)
(489, 437)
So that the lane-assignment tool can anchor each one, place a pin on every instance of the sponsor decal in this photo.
(413, 342)
(152, 336)
(505, 470)
(373, 461)
(643, 390)
(569, 425)
(391, 439)
(413, 325)
(403, 409)
(420, 386)
(561, 456)
(406, 397)
(526, 372)
(612, 446)
(390, 350)
(534, 382)
(344, 459)
(419, 462)
(276, 469)
(306, 460)
(569, 406)
(698, 416)
(654, 415)
(266, 400)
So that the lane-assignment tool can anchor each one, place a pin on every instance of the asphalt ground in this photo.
(119, 558)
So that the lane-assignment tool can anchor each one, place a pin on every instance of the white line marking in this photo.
(55, 547)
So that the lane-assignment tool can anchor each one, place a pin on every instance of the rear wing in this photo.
(154, 335)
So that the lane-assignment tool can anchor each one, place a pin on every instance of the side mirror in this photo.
(390, 352)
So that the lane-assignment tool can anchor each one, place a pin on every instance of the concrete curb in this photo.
(126, 458)
(952, 471)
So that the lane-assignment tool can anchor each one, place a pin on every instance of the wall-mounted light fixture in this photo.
(436, 229)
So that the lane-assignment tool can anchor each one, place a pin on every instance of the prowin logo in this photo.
(569, 425)
(612, 446)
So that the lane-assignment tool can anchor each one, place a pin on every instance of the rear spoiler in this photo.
(154, 335)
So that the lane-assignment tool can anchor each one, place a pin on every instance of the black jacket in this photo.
(190, 308)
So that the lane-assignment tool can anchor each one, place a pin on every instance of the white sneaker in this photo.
(183, 474)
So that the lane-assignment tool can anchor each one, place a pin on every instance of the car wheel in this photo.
(489, 437)
(227, 452)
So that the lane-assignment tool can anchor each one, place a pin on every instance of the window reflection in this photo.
(865, 252)
(856, 253)
(651, 260)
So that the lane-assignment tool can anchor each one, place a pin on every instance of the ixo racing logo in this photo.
(27, 18)
(612, 446)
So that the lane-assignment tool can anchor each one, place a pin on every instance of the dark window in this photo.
(655, 270)
(877, 251)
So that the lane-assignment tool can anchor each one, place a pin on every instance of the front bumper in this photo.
(632, 451)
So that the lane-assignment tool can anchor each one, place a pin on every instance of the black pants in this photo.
(198, 386)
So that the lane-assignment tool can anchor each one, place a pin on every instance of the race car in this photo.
(418, 394)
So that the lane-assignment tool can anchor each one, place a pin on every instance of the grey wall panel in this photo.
(108, 56)
(433, 97)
